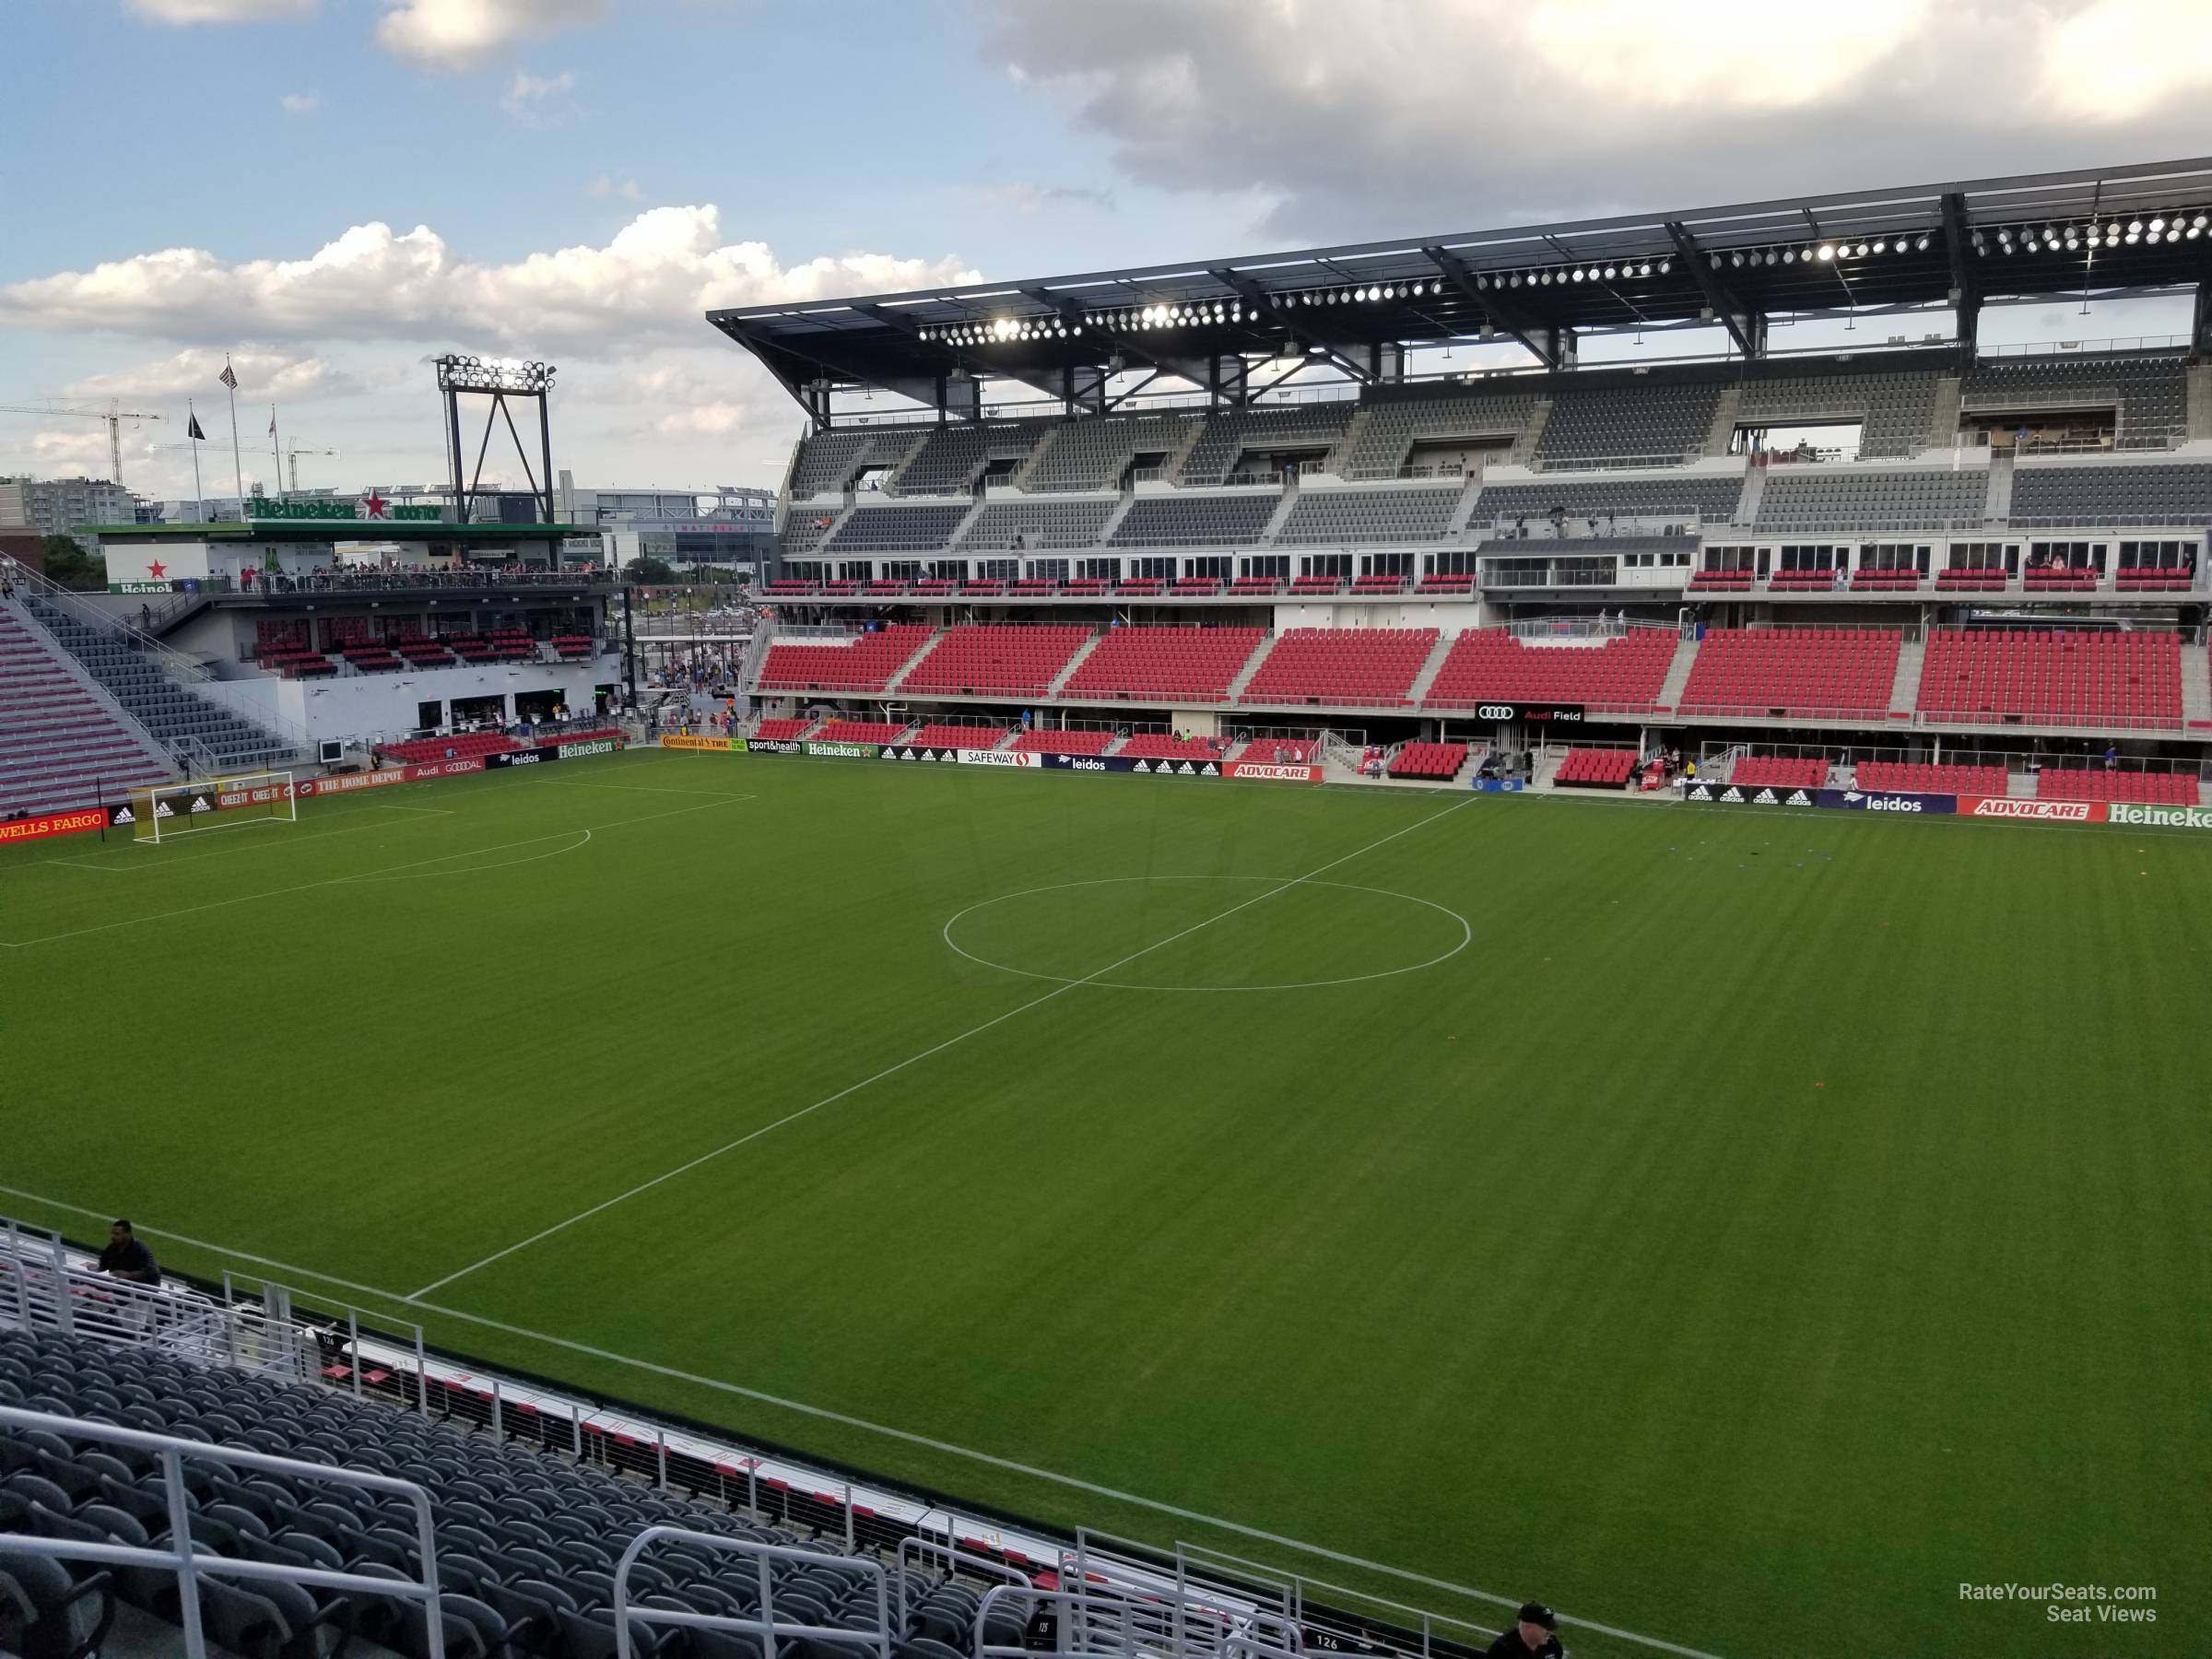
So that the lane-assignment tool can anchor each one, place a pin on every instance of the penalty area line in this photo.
(905, 1436)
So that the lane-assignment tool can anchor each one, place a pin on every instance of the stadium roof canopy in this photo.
(2124, 230)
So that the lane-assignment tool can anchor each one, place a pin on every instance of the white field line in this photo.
(936, 1048)
(906, 1436)
(136, 866)
(304, 886)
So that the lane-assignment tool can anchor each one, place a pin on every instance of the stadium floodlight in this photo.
(1828, 251)
(1737, 260)
(1665, 265)
(2135, 227)
(2197, 223)
(2158, 224)
(493, 374)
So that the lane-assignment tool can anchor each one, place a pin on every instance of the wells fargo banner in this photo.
(678, 740)
(54, 823)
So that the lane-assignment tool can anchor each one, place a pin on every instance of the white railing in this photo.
(2030, 403)
(1098, 1619)
(191, 1563)
(1565, 464)
(2085, 348)
(767, 1627)
(174, 663)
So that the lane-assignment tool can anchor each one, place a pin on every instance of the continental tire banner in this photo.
(1889, 800)
(2034, 812)
(2158, 817)
(1732, 795)
(674, 740)
(843, 751)
(1268, 768)
(908, 751)
(53, 824)
(995, 758)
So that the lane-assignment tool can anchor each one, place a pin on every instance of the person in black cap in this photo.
(1531, 1637)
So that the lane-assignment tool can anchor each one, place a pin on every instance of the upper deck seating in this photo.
(2127, 492)
(1004, 525)
(1896, 410)
(864, 665)
(1230, 433)
(1195, 521)
(1329, 516)
(1654, 419)
(1817, 496)
(1095, 454)
(2148, 392)
(1395, 422)
(1711, 496)
(914, 526)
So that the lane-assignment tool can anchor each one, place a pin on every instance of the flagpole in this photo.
(238, 465)
(276, 452)
(193, 421)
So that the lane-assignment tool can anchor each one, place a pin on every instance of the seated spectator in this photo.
(127, 1258)
(1532, 1636)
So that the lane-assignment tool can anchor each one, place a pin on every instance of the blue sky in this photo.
(590, 173)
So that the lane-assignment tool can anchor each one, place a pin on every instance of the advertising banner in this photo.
(996, 757)
(908, 751)
(1178, 769)
(1889, 800)
(345, 782)
(1498, 785)
(677, 740)
(2158, 817)
(2037, 812)
(593, 746)
(54, 823)
(1535, 713)
(1087, 764)
(773, 746)
(1268, 768)
(843, 751)
(512, 757)
(1732, 795)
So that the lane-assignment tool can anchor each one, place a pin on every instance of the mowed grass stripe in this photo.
(1549, 1267)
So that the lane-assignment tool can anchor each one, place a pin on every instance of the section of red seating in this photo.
(782, 731)
(1488, 665)
(2116, 783)
(1596, 768)
(1428, 760)
(1928, 777)
(1182, 665)
(1163, 745)
(1779, 771)
(866, 664)
(1786, 671)
(859, 731)
(2055, 678)
(1077, 742)
(1280, 751)
(1344, 665)
(1015, 659)
(946, 734)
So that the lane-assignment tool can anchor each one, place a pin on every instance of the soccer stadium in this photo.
(1640, 1086)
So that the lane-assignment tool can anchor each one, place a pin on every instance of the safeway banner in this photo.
(996, 757)
(2034, 812)
(1889, 800)
(54, 823)
(1268, 768)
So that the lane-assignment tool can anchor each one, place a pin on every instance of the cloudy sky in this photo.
(336, 191)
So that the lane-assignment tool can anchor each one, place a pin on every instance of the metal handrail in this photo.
(766, 1626)
(190, 1562)
(926, 1548)
(1155, 1618)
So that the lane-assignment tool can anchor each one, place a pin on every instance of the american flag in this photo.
(227, 378)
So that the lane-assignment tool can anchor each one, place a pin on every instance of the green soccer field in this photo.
(1740, 1228)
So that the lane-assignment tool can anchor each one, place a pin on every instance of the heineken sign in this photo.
(371, 506)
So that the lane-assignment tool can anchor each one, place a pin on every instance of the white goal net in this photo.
(166, 810)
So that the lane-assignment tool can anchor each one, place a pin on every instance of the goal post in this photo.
(163, 811)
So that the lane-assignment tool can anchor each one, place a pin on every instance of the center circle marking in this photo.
(1466, 934)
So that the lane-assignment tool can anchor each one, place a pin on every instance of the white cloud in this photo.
(219, 11)
(606, 184)
(537, 100)
(653, 280)
(1457, 113)
(300, 103)
(287, 376)
(465, 34)
(1027, 198)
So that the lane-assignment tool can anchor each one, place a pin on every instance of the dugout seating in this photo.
(1487, 665)
(2022, 676)
(1363, 665)
(860, 731)
(783, 730)
(1166, 745)
(1595, 768)
(1929, 777)
(1428, 760)
(1064, 742)
(864, 665)
(946, 734)
(1280, 752)
(1177, 664)
(1779, 672)
(1779, 771)
(60, 747)
(526, 1537)
(2116, 783)
(1018, 660)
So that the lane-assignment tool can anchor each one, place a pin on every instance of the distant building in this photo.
(730, 526)
(65, 506)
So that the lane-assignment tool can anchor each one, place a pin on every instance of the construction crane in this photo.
(114, 414)
(292, 452)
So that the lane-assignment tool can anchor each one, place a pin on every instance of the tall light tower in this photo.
(503, 381)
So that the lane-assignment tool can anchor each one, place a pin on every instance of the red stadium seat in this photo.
(1164, 664)
(1776, 672)
(1015, 659)
(864, 665)
(1596, 768)
(1488, 665)
(1988, 676)
(1428, 760)
(1368, 667)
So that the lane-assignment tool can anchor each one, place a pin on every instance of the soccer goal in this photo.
(166, 810)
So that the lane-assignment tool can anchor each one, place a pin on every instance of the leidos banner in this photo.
(1734, 796)
(1123, 763)
(1268, 768)
(995, 758)
(1889, 800)
(54, 823)
(2039, 812)
(541, 756)
(672, 740)
(842, 751)
(2158, 817)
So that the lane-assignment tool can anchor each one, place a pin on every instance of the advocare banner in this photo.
(1280, 772)
(2158, 817)
(2032, 811)
(1732, 795)
(1889, 800)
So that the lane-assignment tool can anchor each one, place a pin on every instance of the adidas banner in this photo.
(1751, 796)
(908, 751)
(1888, 800)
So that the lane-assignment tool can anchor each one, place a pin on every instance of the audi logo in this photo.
(1494, 712)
